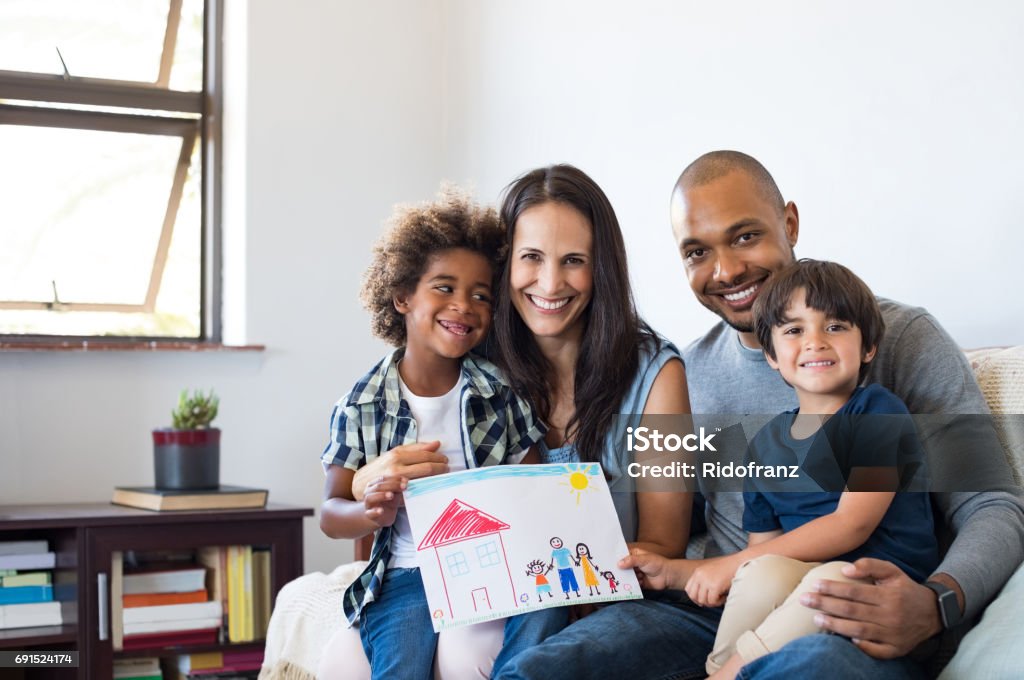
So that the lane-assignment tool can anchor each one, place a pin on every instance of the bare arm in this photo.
(663, 517)
(826, 537)
(821, 539)
(343, 517)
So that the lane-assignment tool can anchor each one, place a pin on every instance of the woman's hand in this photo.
(410, 461)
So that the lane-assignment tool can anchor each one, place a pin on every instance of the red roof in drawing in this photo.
(459, 522)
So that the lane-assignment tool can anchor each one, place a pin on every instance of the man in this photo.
(734, 230)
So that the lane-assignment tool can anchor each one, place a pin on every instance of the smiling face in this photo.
(556, 543)
(732, 238)
(818, 355)
(449, 312)
(551, 272)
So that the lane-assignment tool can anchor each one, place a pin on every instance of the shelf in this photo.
(88, 536)
(190, 649)
(20, 638)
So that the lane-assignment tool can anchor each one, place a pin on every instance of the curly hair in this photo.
(415, 234)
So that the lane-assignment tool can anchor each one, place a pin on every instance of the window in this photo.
(457, 564)
(488, 555)
(107, 191)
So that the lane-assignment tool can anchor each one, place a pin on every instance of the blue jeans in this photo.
(634, 639)
(526, 631)
(829, 656)
(657, 640)
(398, 637)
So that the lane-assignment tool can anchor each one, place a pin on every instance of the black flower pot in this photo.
(186, 459)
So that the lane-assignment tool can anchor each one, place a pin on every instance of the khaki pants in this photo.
(763, 610)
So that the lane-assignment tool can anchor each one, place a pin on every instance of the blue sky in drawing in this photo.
(425, 485)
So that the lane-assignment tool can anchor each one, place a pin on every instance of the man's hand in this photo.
(710, 582)
(383, 498)
(886, 619)
(654, 571)
(412, 461)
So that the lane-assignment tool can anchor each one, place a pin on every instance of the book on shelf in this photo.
(142, 668)
(172, 612)
(212, 664)
(205, 636)
(28, 578)
(240, 594)
(221, 498)
(26, 594)
(214, 558)
(155, 599)
(141, 627)
(24, 561)
(23, 547)
(177, 580)
(36, 614)
(261, 592)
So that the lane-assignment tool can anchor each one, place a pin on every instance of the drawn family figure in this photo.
(536, 568)
(562, 559)
(583, 559)
(613, 583)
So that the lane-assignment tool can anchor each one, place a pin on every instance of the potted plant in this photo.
(187, 455)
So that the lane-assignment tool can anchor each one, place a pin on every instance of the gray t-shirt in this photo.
(920, 363)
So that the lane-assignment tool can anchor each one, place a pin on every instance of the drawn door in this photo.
(481, 600)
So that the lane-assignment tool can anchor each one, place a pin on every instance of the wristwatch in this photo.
(949, 607)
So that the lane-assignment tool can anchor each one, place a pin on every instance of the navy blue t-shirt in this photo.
(873, 429)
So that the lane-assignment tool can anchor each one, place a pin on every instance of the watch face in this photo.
(950, 609)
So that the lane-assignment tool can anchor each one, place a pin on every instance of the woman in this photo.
(568, 336)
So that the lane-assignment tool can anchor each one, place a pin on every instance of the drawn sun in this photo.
(577, 479)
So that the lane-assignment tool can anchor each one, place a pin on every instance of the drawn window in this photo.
(106, 189)
(488, 554)
(457, 564)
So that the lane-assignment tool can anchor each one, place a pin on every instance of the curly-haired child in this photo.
(429, 290)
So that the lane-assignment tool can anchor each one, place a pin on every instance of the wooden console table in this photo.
(84, 536)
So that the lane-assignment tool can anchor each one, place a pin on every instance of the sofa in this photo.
(308, 610)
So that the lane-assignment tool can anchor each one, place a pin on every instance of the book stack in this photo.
(248, 592)
(171, 606)
(220, 665)
(142, 668)
(26, 585)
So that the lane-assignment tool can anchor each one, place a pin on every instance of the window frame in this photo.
(100, 92)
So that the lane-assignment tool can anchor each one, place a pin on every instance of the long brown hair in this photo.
(613, 332)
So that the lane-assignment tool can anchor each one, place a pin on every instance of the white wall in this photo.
(895, 127)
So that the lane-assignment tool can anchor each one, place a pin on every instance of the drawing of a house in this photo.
(471, 557)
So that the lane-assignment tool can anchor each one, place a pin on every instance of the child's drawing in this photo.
(563, 560)
(584, 560)
(472, 526)
(537, 569)
(613, 583)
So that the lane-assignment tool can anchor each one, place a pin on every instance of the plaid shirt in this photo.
(372, 419)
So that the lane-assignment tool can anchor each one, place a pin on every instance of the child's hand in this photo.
(709, 583)
(383, 498)
(652, 570)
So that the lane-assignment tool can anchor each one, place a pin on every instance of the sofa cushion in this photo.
(1000, 374)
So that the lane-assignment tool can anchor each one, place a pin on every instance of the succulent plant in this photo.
(195, 412)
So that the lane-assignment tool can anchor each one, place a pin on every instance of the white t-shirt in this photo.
(437, 418)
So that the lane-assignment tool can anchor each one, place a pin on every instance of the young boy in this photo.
(429, 290)
(819, 326)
